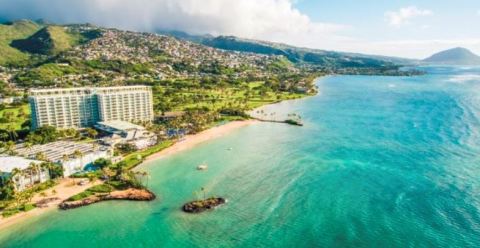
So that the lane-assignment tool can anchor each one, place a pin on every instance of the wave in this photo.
(464, 78)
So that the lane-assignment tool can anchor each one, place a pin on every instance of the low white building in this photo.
(72, 156)
(24, 172)
(126, 132)
(75, 164)
(10, 100)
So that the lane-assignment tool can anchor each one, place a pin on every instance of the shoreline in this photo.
(192, 140)
(65, 190)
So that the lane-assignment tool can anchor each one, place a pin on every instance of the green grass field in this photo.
(132, 160)
(17, 121)
(216, 99)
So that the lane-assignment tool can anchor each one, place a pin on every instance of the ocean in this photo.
(380, 162)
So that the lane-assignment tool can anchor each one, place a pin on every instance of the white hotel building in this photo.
(84, 107)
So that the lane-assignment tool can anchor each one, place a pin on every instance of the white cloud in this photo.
(404, 15)
(478, 12)
(272, 20)
(261, 19)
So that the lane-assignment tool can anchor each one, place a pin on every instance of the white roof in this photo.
(8, 163)
(56, 150)
(121, 125)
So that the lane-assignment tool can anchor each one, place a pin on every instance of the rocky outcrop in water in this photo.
(203, 205)
(129, 194)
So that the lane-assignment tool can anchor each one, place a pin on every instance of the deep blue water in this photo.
(380, 162)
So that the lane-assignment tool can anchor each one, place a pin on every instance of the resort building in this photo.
(73, 157)
(24, 172)
(131, 103)
(84, 107)
(125, 132)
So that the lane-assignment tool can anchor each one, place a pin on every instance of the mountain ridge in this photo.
(454, 56)
(293, 53)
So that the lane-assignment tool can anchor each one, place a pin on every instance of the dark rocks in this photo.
(203, 205)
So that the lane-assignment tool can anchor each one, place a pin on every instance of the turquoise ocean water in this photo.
(380, 162)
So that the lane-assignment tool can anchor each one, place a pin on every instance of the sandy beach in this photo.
(64, 189)
(191, 141)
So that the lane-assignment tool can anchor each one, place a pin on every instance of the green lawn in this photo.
(216, 99)
(17, 121)
(101, 188)
(132, 160)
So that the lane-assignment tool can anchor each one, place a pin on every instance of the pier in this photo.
(293, 119)
(287, 121)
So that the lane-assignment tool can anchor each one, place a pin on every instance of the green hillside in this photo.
(14, 31)
(314, 57)
(49, 40)
(298, 55)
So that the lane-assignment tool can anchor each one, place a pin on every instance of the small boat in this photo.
(203, 166)
(229, 149)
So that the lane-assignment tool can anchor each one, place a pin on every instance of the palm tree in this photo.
(65, 157)
(94, 146)
(108, 172)
(146, 175)
(13, 134)
(78, 154)
(41, 156)
(92, 178)
(16, 176)
(28, 145)
(34, 173)
(8, 189)
(92, 133)
(19, 198)
(44, 167)
(4, 136)
(54, 171)
(10, 147)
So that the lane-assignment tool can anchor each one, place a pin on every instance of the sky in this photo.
(412, 29)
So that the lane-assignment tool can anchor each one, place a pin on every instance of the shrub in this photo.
(10, 212)
(80, 196)
(233, 112)
(118, 184)
(43, 186)
(102, 188)
(102, 163)
(28, 207)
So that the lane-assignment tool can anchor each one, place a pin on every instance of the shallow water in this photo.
(380, 162)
